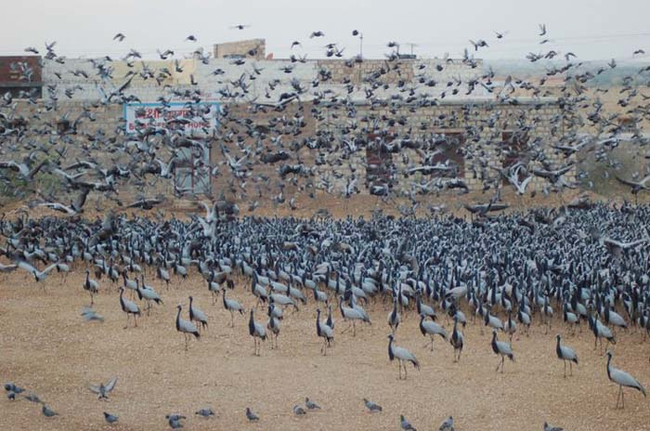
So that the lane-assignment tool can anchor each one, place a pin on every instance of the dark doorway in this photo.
(379, 162)
(514, 148)
(449, 145)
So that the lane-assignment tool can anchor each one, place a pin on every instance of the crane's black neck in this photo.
(609, 360)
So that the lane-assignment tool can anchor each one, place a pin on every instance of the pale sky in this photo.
(592, 29)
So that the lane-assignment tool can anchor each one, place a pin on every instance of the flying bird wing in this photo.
(58, 207)
(110, 385)
(626, 182)
(26, 266)
(9, 165)
(81, 199)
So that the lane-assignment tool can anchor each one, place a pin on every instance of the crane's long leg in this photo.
(570, 369)
(546, 328)
(622, 398)
(564, 369)
(127, 321)
(135, 321)
(354, 328)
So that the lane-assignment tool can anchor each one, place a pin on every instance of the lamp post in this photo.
(360, 35)
(361, 45)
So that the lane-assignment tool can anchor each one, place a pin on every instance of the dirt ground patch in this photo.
(47, 348)
(337, 206)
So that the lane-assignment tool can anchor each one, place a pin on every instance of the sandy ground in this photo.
(47, 348)
(338, 207)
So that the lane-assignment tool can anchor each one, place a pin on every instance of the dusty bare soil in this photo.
(47, 348)
(338, 207)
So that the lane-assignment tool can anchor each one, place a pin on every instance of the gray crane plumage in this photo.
(130, 308)
(622, 379)
(257, 331)
(503, 349)
(565, 353)
(186, 327)
(402, 355)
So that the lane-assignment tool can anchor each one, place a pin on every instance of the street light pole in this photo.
(361, 45)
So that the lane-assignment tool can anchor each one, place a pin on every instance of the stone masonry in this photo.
(369, 94)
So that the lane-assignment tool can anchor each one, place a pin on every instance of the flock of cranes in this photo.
(585, 264)
(429, 269)
(269, 160)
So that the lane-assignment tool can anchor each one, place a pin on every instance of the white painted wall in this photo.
(88, 89)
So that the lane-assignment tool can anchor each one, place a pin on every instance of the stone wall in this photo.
(87, 131)
(485, 137)
(299, 129)
(79, 79)
(312, 131)
(331, 165)
(253, 48)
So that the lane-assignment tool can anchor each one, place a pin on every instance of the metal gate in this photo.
(379, 162)
(515, 145)
(450, 145)
(192, 175)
